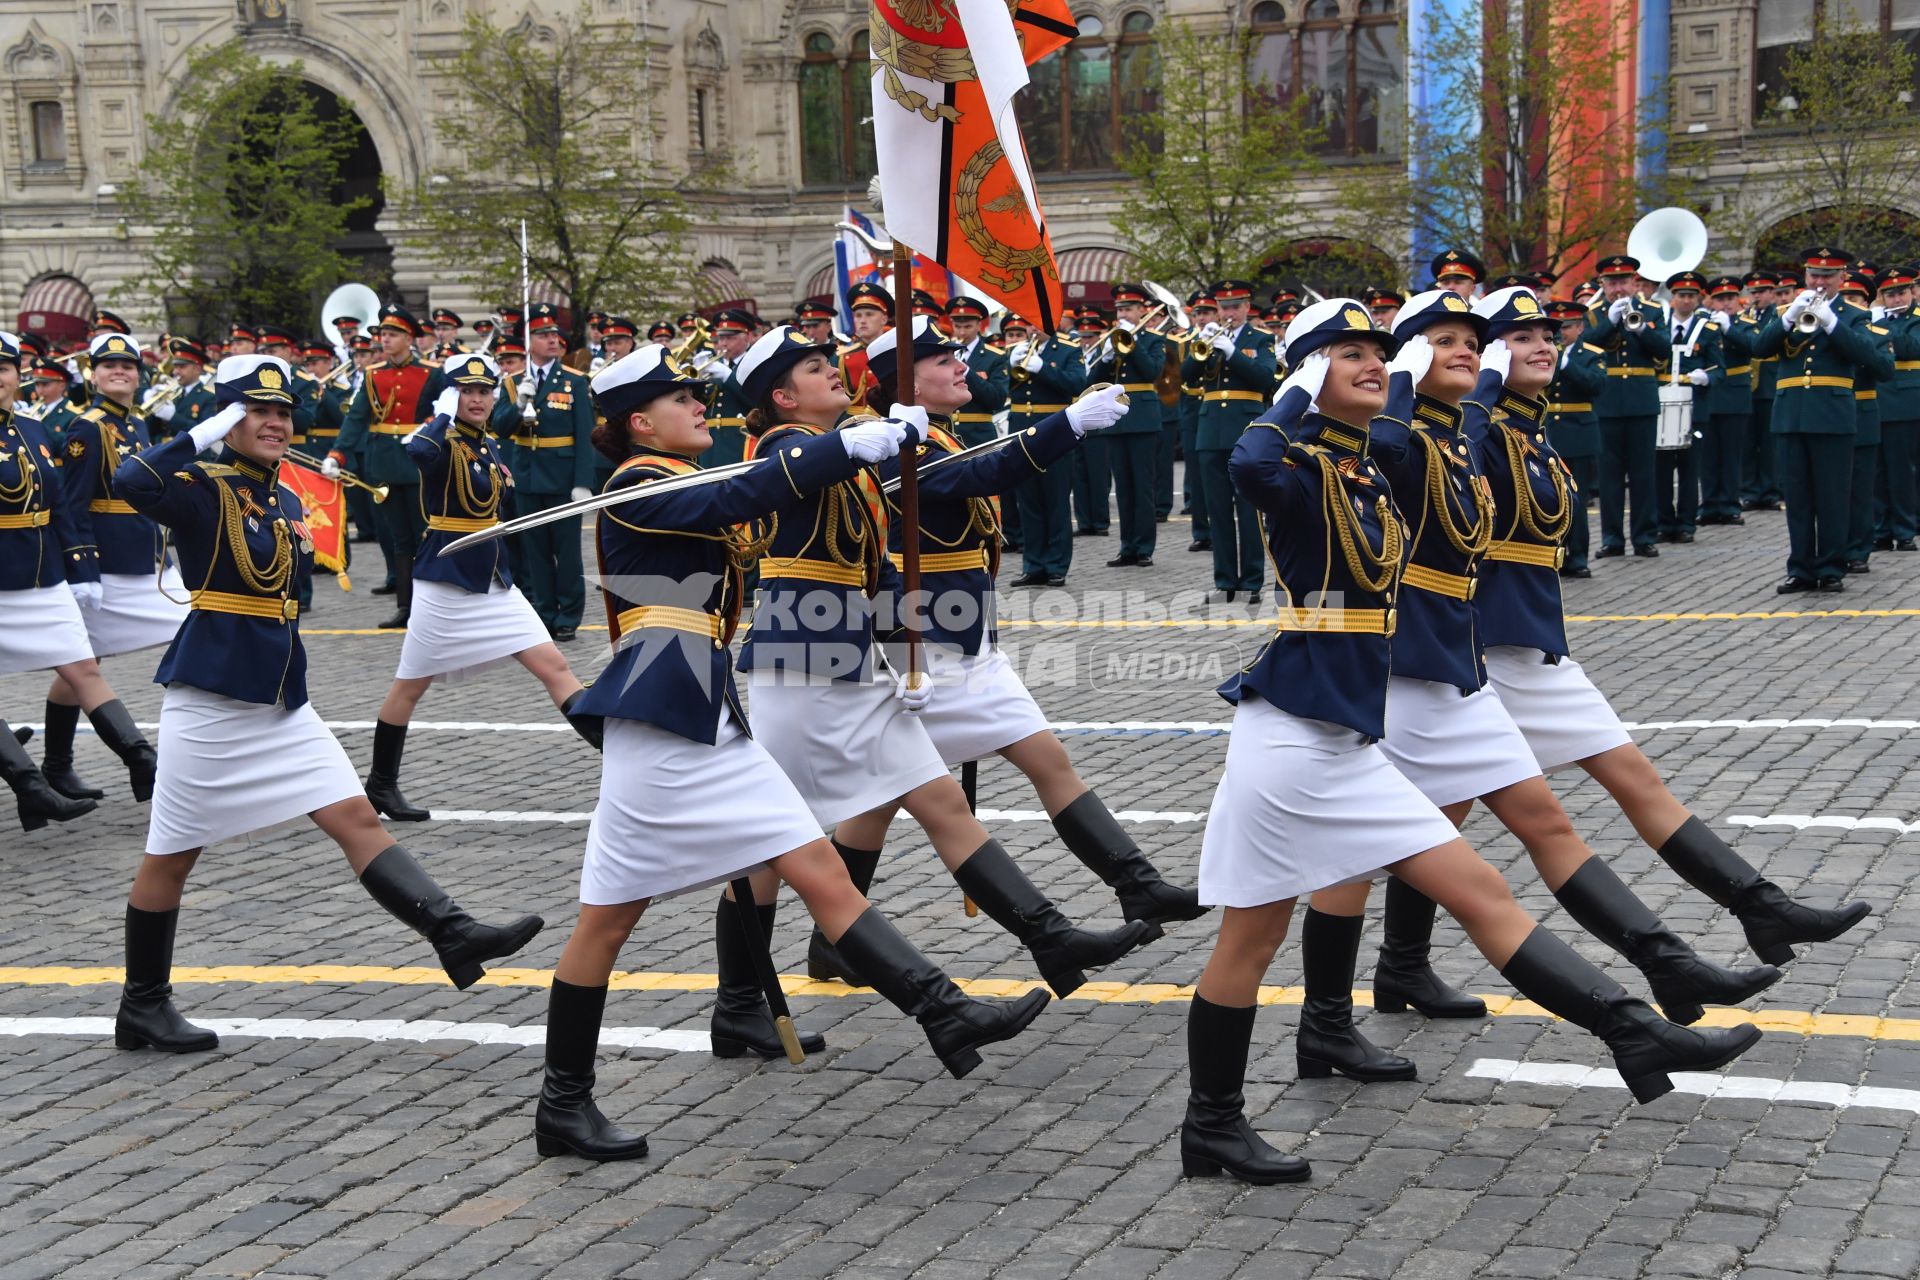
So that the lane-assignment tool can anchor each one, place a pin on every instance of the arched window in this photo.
(1083, 101)
(836, 148)
(49, 133)
(1353, 77)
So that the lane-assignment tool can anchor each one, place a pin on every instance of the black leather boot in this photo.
(1773, 921)
(955, 1023)
(742, 1022)
(56, 757)
(824, 961)
(592, 728)
(1403, 975)
(383, 780)
(1328, 1041)
(1645, 1046)
(34, 800)
(1216, 1137)
(567, 1123)
(147, 1018)
(114, 724)
(1062, 951)
(398, 883)
(1681, 981)
(402, 596)
(1097, 839)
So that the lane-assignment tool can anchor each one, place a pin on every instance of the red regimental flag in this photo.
(954, 178)
(325, 502)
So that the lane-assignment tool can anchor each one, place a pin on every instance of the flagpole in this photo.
(909, 460)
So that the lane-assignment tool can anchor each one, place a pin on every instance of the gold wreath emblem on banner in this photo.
(1002, 264)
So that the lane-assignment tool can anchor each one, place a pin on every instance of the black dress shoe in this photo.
(564, 634)
(1733, 517)
(1029, 580)
(1162, 518)
(1125, 560)
(1832, 584)
(1607, 553)
(1226, 594)
(1858, 566)
(1883, 544)
(398, 622)
(1648, 552)
(386, 590)
(1668, 535)
(1253, 597)
(1143, 562)
(1200, 544)
(1575, 571)
(1685, 535)
(1056, 579)
(1793, 586)
(1905, 544)
(1089, 533)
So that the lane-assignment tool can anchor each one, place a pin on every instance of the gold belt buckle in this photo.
(289, 610)
(1559, 557)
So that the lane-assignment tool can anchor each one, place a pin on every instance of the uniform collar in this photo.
(468, 429)
(252, 470)
(105, 401)
(1430, 413)
(652, 451)
(1515, 405)
(1337, 434)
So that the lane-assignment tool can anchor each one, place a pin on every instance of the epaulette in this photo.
(999, 351)
(1599, 351)
(1874, 328)
(377, 364)
(93, 413)
(212, 470)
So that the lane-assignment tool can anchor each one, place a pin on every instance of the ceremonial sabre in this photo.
(611, 498)
(763, 965)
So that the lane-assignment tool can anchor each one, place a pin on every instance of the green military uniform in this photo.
(1813, 427)
(1091, 466)
(1628, 410)
(1573, 429)
(1759, 487)
(1133, 443)
(1236, 384)
(988, 381)
(1697, 344)
(1898, 522)
(1046, 522)
(549, 459)
(1192, 492)
(727, 420)
(1723, 421)
(1866, 445)
(382, 412)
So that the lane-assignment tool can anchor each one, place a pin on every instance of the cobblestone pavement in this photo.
(346, 1157)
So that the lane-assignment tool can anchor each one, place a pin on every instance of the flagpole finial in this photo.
(873, 193)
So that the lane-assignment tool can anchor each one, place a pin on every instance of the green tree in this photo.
(552, 125)
(237, 198)
(1842, 161)
(1215, 177)
(1522, 159)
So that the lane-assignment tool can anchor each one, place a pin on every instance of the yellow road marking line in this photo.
(1795, 1021)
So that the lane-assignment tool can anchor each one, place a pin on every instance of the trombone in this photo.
(311, 463)
(683, 350)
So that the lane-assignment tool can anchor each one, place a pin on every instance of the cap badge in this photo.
(270, 377)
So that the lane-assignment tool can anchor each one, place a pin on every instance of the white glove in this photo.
(1798, 307)
(1208, 332)
(164, 412)
(1618, 308)
(86, 593)
(1415, 358)
(1823, 312)
(1223, 343)
(716, 370)
(1033, 363)
(330, 467)
(1126, 326)
(1879, 312)
(447, 403)
(214, 429)
(580, 493)
(1309, 377)
(1018, 356)
(1497, 358)
(913, 697)
(1698, 377)
(873, 439)
(1098, 409)
(912, 415)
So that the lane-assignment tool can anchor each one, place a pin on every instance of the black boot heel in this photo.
(1313, 1068)
(1778, 953)
(465, 975)
(960, 1065)
(1193, 1166)
(1684, 1015)
(1647, 1088)
(1385, 1002)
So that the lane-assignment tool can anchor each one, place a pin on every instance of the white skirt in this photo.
(979, 704)
(41, 628)
(454, 634)
(848, 747)
(1453, 748)
(676, 815)
(229, 767)
(1563, 716)
(1305, 804)
(133, 614)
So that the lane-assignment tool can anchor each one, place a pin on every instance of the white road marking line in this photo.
(1822, 821)
(1713, 1086)
(369, 1029)
(985, 815)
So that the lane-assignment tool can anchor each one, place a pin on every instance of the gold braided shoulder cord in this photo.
(1474, 539)
(273, 579)
(1546, 526)
(21, 493)
(480, 508)
(1372, 571)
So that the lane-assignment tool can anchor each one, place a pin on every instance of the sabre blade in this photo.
(599, 501)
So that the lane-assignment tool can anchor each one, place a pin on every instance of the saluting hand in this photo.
(1414, 359)
(447, 403)
(1309, 376)
(215, 429)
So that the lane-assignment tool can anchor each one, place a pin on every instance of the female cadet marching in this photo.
(980, 706)
(1446, 730)
(1307, 798)
(242, 748)
(130, 592)
(840, 727)
(687, 796)
(467, 614)
(1565, 719)
(40, 624)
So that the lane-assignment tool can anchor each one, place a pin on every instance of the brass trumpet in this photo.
(162, 392)
(1809, 324)
(682, 350)
(311, 463)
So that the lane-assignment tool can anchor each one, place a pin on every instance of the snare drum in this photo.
(1675, 430)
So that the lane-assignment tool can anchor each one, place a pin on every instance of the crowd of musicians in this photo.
(1407, 473)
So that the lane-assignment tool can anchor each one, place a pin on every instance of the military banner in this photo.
(325, 502)
(954, 179)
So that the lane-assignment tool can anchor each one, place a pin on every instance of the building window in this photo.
(49, 133)
(1783, 26)
(836, 143)
(1352, 75)
(1085, 103)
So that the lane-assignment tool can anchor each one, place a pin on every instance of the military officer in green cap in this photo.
(1897, 523)
(1859, 288)
(1759, 490)
(1722, 421)
(988, 376)
(1233, 363)
(1632, 336)
(379, 418)
(727, 416)
(1694, 335)
(1814, 418)
(1202, 312)
(1092, 472)
(551, 457)
(52, 381)
(1573, 429)
(1047, 373)
(1136, 358)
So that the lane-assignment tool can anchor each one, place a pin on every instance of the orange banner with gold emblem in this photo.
(954, 178)
(325, 504)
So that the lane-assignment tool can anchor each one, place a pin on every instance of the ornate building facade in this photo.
(782, 83)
